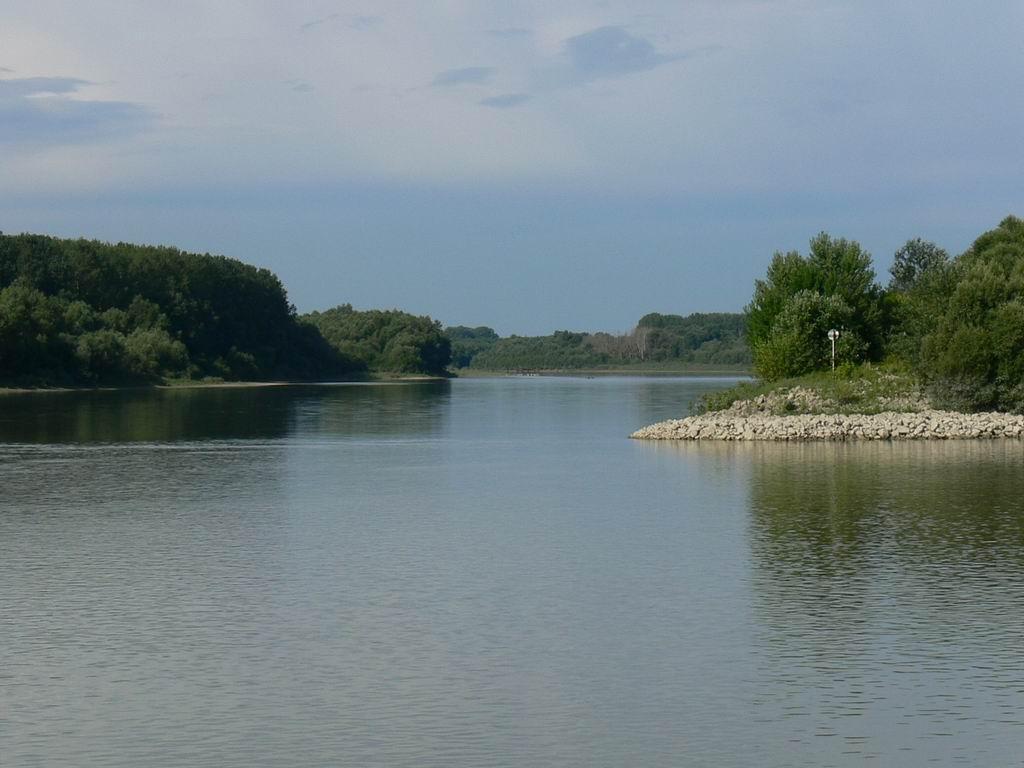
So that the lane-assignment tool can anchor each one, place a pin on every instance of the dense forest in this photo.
(957, 323)
(82, 312)
(708, 339)
(387, 340)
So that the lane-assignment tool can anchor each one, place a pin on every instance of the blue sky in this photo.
(528, 166)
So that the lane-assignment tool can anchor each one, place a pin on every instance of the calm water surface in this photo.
(488, 573)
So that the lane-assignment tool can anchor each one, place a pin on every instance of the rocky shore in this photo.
(780, 419)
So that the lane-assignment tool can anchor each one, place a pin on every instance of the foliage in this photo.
(973, 355)
(715, 337)
(956, 324)
(915, 263)
(150, 352)
(923, 278)
(86, 312)
(864, 388)
(385, 340)
(467, 343)
(788, 274)
(787, 327)
(798, 342)
(658, 339)
(560, 350)
(33, 345)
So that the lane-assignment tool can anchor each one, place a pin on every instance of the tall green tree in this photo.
(835, 269)
(922, 279)
(973, 356)
(916, 263)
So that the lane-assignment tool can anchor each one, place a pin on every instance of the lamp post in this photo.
(833, 334)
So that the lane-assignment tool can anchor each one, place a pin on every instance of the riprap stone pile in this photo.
(734, 424)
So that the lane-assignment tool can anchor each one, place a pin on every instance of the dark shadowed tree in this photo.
(90, 312)
(915, 262)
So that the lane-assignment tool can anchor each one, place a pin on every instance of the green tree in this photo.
(915, 263)
(102, 355)
(788, 274)
(922, 281)
(833, 269)
(973, 356)
(389, 340)
(151, 353)
(799, 343)
(73, 306)
(467, 343)
(702, 337)
(33, 346)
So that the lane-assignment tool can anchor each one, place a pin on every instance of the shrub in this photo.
(798, 342)
(833, 267)
(972, 357)
(152, 353)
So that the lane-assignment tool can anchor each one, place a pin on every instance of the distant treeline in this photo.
(82, 312)
(708, 339)
(385, 340)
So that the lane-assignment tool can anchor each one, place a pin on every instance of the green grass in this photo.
(852, 389)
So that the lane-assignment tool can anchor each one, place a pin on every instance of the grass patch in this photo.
(851, 389)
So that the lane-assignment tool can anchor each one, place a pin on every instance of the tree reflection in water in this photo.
(887, 588)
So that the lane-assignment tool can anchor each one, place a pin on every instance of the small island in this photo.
(938, 354)
(801, 413)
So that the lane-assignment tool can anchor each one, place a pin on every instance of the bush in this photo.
(101, 354)
(798, 342)
(972, 356)
(152, 353)
(833, 268)
(33, 343)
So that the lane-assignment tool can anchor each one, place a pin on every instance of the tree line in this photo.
(385, 340)
(702, 338)
(957, 323)
(84, 312)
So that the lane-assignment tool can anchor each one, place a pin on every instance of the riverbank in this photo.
(873, 406)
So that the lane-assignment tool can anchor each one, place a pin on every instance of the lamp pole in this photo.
(833, 334)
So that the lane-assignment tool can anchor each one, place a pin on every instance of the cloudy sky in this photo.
(525, 165)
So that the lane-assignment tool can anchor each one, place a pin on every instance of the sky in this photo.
(529, 166)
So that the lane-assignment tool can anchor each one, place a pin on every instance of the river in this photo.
(488, 572)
